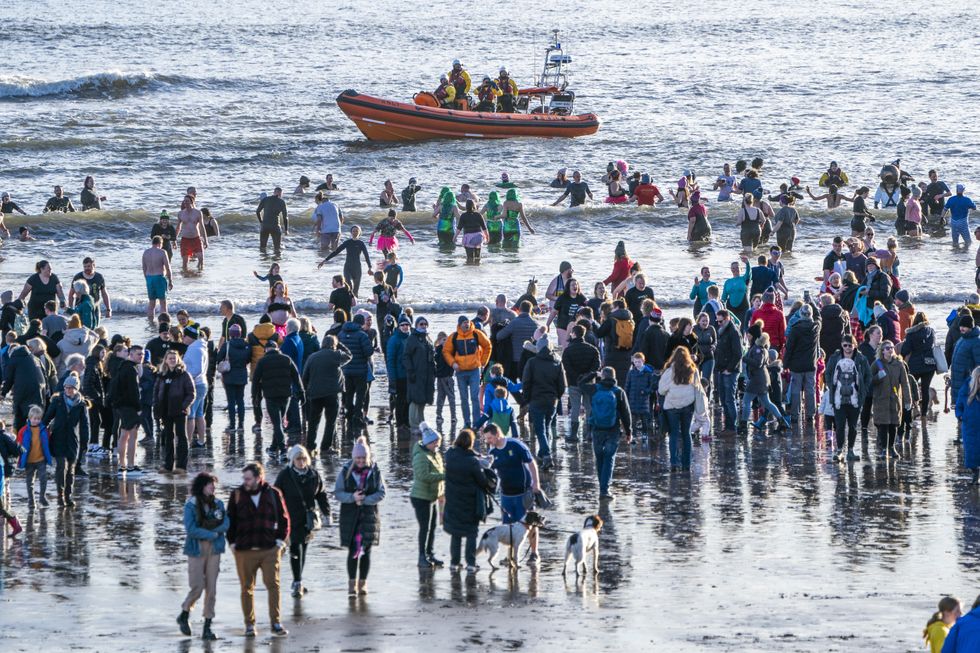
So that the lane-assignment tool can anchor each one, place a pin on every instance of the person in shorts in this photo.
(518, 474)
(159, 279)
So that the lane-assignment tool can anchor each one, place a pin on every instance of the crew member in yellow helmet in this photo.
(460, 79)
(508, 92)
(487, 94)
(446, 93)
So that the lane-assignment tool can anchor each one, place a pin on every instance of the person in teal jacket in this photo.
(205, 522)
(699, 291)
(735, 292)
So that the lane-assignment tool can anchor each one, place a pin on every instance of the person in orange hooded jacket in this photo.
(467, 351)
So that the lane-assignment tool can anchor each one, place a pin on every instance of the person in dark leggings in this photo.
(428, 476)
(359, 489)
(847, 401)
(917, 350)
(354, 248)
(869, 348)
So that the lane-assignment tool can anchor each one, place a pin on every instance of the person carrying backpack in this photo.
(608, 420)
(617, 330)
(498, 411)
(848, 381)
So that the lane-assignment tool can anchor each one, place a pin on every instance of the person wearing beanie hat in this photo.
(397, 375)
(957, 209)
(428, 487)
(646, 193)
(879, 283)
(68, 426)
(359, 489)
(420, 369)
(232, 361)
(557, 286)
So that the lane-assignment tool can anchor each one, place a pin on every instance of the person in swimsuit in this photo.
(8, 206)
(861, 214)
(211, 228)
(389, 228)
(272, 276)
(194, 240)
(473, 228)
(388, 198)
(279, 307)
(749, 220)
(446, 212)
(492, 212)
(89, 197)
(616, 193)
(514, 216)
(698, 227)
(354, 248)
(681, 197)
(159, 279)
(833, 196)
(59, 202)
(304, 185)
(394, 273)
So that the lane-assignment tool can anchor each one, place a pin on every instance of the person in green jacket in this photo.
(735, 293)
(85, 306)
(428, 489)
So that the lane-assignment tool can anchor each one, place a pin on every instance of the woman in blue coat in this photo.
(206, 522)
(968, 412)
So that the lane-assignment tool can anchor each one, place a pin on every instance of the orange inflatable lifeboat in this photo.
(386, 120)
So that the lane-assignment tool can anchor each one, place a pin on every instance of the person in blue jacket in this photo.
(206, 522)
(966, 354)
(968, 412)
(964, 636)
(33, 437)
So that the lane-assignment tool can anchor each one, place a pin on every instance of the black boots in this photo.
(183, 620)
(208, 635)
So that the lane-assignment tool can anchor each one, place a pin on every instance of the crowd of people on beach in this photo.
(749, 360)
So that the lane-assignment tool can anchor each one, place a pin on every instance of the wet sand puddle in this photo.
(765, 546)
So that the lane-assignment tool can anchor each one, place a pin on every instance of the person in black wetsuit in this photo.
(268, 213)
(8, 206)
(166, 231)
(272, 277)
(355, 248)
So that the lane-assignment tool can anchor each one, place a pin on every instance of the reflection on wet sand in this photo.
(760, 527)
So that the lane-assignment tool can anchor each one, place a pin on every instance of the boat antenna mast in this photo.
(555, 62)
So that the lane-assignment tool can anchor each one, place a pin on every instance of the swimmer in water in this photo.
(89, 197)
(59, 202)
(505, 181)
(514, 216)
(833, 196)
(577, 189)
(698, 227)
(616, 193)
(24, 234)
(303, 187)
(272, 276)
(560, 180)
(211, 227)
(446, 212)
(466, 194)
(354, 248)
(194, 240)
(8, 206)
(491, 213)
(328, 184)
(408, 195)
(388, 198)
(389, 228)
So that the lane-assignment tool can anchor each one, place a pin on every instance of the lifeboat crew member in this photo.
(834, 175)
(460, 79)
(487, 94)
(446, 93)
(507, 100)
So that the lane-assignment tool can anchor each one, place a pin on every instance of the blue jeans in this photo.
(236, 404)
(805, 382)
(197, 408)
(679, 422)
(764, 401)
(469, 384)
(959, 228)
(726, 386)
(604, 446)
(542, 413)
(707, 369)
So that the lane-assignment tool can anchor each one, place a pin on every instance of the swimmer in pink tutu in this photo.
(617, 194)
(389, 228)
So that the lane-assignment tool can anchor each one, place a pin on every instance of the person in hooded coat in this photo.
(67, 420)
(418, 361)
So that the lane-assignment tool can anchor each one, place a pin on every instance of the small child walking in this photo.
(639, 388)
(33, 438)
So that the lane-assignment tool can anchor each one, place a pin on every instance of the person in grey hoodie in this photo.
(77, 339)
(518, 330)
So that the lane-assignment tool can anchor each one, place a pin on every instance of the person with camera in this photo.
(303, 490)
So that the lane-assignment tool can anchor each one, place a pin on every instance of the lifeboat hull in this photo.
(386, 120)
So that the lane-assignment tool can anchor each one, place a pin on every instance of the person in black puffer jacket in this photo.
(835, 323)
(274, 379)
(93, 389)
(418, 361)
(356, 372)
(173, 395)
(800, 358)
(67, 417)
(124, 396)
(542, 388)
(303, 491)
(917, 350)
(465, 486)
(578, 359)
(323, 378)
(237, 353)
(23, 375)
(728, 363)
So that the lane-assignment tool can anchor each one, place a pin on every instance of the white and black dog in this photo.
(580, 544)
(508, 535)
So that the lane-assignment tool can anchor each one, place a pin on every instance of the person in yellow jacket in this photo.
(508, 92)
(446, 93)
(460, 79)
(834, 176)
(941, 621)
(467, 351)
(262, 333)
(487, 94)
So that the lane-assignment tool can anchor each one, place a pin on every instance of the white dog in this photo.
(508, 535)
(579, 544)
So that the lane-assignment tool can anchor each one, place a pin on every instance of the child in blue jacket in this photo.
(33, 437)
(639, 387)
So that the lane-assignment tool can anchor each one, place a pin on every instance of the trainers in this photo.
(533, 559)
(455, 567)
(250, 632)
(472, 569)
(257, 428)
(135, 470)
(197, 444)
(279, 631)
(297, 589)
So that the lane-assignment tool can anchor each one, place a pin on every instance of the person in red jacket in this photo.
(773, 320)
(621, 267)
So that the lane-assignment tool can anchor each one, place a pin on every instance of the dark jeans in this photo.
(277, 410)
(146, 419)
(236, 405)
(208, 405)
(886, 435)
(94, 424)
(276, 233)
(174, 441)
(330, 406)
(425, 514)
(866, 412)
(679, 422)
(355, 397)
(604, 446)
(846, 417)
(925, 381)
(64, 475)
(454, 546)
(401, 402)
(542, 412)
(364, 562)
(297, 558)
(726, 387)
(256, 407)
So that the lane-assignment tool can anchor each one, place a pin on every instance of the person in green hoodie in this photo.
(428, 490)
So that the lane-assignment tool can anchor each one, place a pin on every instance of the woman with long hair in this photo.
(918, 350)
(514, 217)
(891, 395)
(173, 395)
(445, 212)
(303, 492)
(492, 211)
(279, 306)
(206, 522)
(679, 387)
